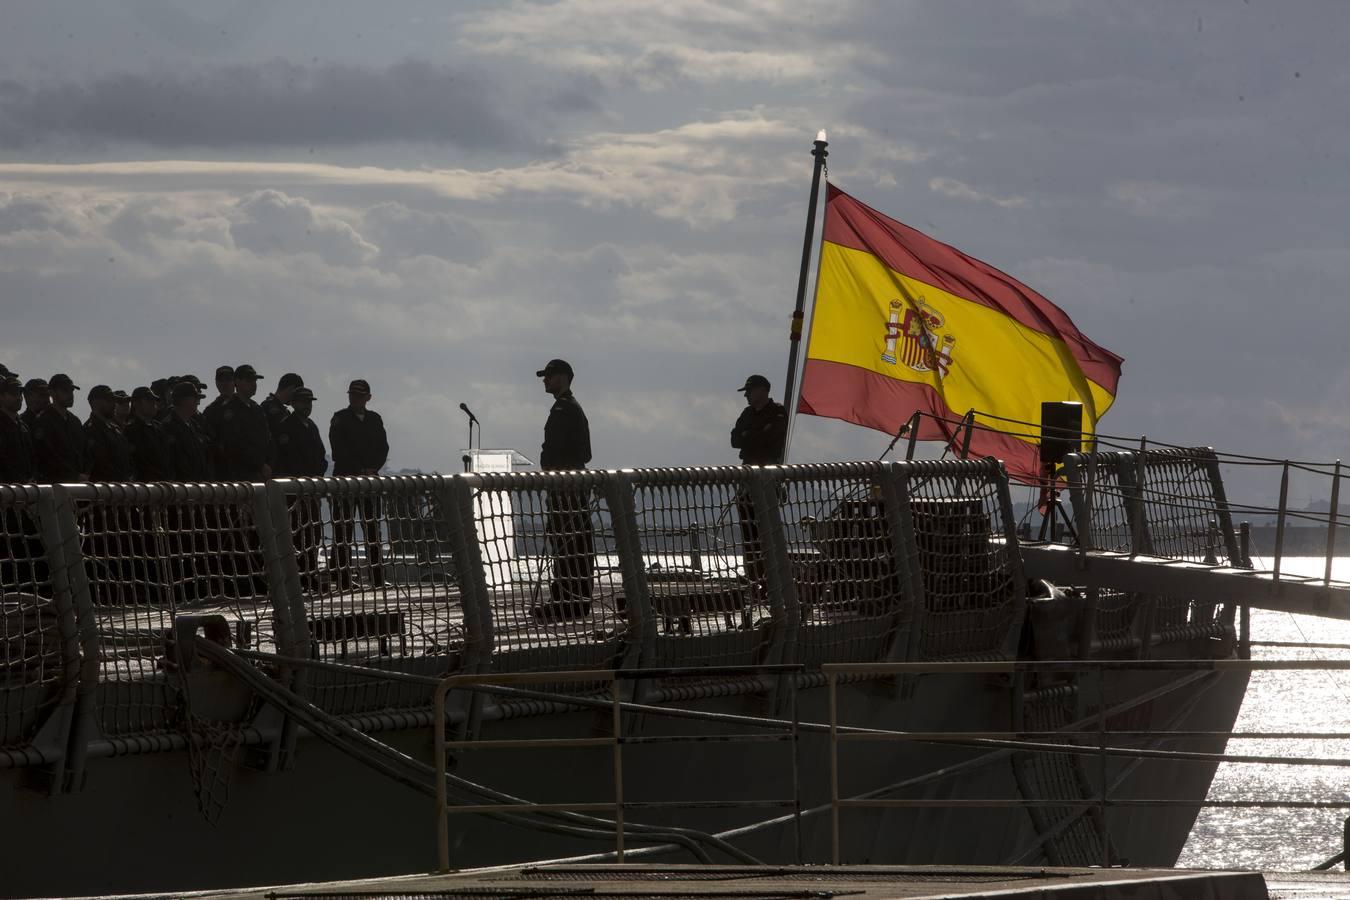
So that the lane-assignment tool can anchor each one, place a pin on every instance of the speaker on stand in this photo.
(1061, 434)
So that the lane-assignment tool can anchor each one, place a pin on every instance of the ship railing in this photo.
(785, 731)
(1091, 745)
(544, 571)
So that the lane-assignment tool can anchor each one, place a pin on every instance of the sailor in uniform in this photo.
(760, 434)
(567, 445)
(301, 454)
(360, 446)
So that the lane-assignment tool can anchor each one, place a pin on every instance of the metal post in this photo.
(1279, 522)
(968, 421)
(442, 800)
(1245, 612)
(695, 547)
(1331, 521)
(913, 435)
(796, 775)
(1101, 756)
(832, 682)
(1137, 532)
(617, 701)
(799, 312)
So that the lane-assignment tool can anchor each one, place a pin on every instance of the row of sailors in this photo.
(167, 436)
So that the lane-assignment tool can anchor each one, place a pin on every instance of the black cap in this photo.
(121, 396)
(5, 372)
(10, 385)
(62, 380)
(289, 380)
(100, 392)
(303, 393)
(246, 371)
(359, 386)
(553, 367)
(193, 379)
(36, 384)
(224, 372)
(185, 389)
(143, 393)
(754, 381)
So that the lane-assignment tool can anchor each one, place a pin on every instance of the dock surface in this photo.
(692, 882)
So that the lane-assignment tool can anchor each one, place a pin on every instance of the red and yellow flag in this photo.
(903, 323)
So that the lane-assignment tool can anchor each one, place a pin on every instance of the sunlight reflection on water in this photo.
(1280, 839)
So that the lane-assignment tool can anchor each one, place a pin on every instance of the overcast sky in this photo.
(439, 197)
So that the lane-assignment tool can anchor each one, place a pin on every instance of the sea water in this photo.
(1283, 839)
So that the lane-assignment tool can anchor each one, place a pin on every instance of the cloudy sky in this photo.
(439, 197)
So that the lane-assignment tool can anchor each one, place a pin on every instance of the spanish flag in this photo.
(903, 323)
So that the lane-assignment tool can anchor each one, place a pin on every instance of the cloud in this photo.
(277, 103)
(700, 173)
(654, 44)
(271, 223)
(951, 187)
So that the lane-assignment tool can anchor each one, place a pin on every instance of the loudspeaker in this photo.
(1061, 430)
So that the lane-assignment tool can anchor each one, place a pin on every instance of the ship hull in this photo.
(135, 825)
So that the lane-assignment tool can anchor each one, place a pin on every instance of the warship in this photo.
(210, 685)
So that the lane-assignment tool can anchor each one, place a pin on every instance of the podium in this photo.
(493, 516)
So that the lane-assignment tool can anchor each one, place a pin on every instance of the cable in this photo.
(420, 777)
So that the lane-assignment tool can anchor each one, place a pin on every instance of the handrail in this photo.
(616, 741)
(1017, 740)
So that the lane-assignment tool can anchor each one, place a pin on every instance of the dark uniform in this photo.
(16, 451)
(149, 450)
(60, 446)
(275, 412)
(22, 562)
(109, 450)
(359, 444)
(760, 434)
(567, 445)
(188, 449)
(244, 439)
(300, 450)
(301, 454)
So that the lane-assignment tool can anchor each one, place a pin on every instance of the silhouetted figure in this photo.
(360, 446)
(567, 445)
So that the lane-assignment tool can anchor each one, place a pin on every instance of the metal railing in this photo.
(1100, 736)
(470, 574)
(616, 741)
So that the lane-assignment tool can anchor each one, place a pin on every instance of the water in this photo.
(1280, 839)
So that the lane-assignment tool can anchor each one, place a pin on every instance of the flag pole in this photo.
(798, 313)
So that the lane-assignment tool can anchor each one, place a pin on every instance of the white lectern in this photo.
(493, 514)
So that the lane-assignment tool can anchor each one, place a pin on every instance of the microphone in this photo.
(468, 412)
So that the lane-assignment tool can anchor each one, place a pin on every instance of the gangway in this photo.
(1063, 564)
(1159, 522)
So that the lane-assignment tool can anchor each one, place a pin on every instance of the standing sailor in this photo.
(760, 433)
(301, 454)
(109, 449)
(149, 450)
(567, 445)
(360, 446)
(16, 445)
(188, 446)
(247, 451)
(761, 430)
(60, 447)
(121, 409)
(274, 407)
(37, 396)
